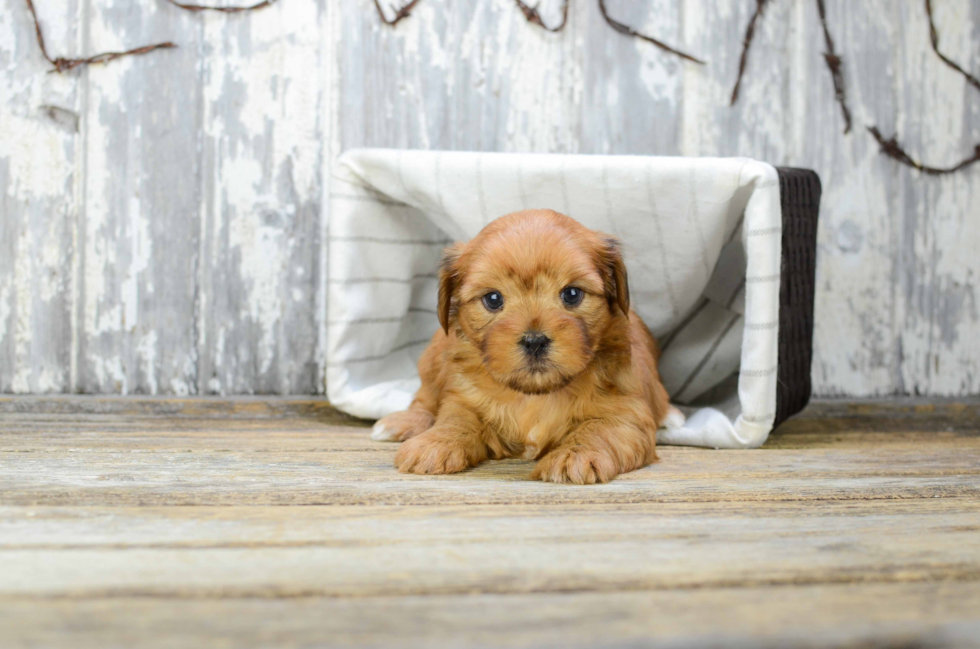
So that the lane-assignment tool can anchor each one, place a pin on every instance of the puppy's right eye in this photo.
(572, 296)
(493, 301)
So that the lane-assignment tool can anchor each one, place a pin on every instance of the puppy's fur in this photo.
(587, 404)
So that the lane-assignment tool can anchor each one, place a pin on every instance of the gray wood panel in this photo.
(175, 242)
(632, 99)
(856, 310)
(262, 148)
(38, 208)
(138, 235)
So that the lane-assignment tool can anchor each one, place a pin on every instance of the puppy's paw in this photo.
(578, 465)
(399, 426)
(674, 419)
(433, 453)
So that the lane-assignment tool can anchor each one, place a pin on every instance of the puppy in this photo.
(539, 356)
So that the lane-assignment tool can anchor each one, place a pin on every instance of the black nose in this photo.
(535, 344)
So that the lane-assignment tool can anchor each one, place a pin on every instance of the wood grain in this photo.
(39, 170)
(372, 551)
(260, 210)
(162, 522)
(272, 465)
(138, 235)
(885, 615)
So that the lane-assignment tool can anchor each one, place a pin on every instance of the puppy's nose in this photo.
(535, 343)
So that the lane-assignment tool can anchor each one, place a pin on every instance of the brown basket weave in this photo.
(800, 202)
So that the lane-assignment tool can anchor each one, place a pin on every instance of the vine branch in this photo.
(532, 15)
(891, 148)
(62, 64)
(623, 28)
(834, 65)
(760, 6)
(934, 38)
(400, 15)
(227, 10)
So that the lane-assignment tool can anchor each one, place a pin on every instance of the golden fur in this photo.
(589, 407)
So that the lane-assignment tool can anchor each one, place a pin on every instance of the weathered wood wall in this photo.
(162, 224)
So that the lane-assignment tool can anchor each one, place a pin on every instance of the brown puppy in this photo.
(539, 356)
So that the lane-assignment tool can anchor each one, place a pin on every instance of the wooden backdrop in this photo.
(163, 219)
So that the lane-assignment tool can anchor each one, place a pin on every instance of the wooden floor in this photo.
(241, 523)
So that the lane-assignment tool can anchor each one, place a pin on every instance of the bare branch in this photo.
(760, 6)
(934, 37)
(63, 65)
(834, 63)
(400, 15)
(532, 15)
(893, 149)
(629, 31)
(227, 10)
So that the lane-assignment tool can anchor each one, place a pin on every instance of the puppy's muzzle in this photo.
(535, 344)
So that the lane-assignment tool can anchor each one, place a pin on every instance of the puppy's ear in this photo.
(449, 276)
(614, 272)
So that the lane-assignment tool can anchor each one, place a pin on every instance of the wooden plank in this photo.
(59, 429)
(857, 320)
(139, 235)
(261, 463)
(833, 536)
(633, 97)
(44, 528)
(101, 434)
(823, 419)
(344, 552)
(885, 223)
(128, 409)
(936, 285)
(259, 215)
(926, 413)
(39, 155)
(460, 76)
(935, 615)
(308, 479)
(756, 126)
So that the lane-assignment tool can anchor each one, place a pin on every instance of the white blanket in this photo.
(701, 238)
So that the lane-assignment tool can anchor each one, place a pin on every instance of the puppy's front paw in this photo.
(674, 419)
(399, 426)
(433, 453)
(578, 465)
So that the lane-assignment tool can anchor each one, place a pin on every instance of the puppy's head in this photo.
(534, 292)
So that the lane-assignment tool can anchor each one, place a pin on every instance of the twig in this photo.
(934, 37)
(629, 31)
(227, 10)
(401, 14)
(760, 6)
(893, 149)
(834, 64)
(532, 15)
(63, 65)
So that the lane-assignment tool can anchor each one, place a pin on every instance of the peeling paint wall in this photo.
(162, 223)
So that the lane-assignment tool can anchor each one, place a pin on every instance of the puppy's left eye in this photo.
(493, 301)
(572, 296)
